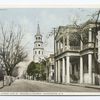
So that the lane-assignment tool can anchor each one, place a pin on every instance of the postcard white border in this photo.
(48, 5)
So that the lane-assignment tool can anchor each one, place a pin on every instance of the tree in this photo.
(11, 50)
(37, 70)
(31, 70)
(43, 69)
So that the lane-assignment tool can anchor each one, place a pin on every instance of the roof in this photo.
(38, 30)
(72, 28)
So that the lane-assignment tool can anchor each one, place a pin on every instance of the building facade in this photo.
(50, 68)
(38, 50)
(75, 55)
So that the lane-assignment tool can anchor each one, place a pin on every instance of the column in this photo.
(59, 45)
(67, 70)
(63, 71)
(68, 39)
(49, 74)
(90, 35)
(81, 70)
(58, 71)
(90, 67)
(81, 43)
(63, 42)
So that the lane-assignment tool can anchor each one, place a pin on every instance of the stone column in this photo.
(49, 73)
(90, 67)
(68, 39)
(67, 70)
(59, 45)
(90, 35)
(59, 71)
(81, 43)
(63, 43)
(56, 72)
(63, 71)
(81, 70)
(55, 47)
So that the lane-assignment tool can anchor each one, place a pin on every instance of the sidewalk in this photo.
(86, 85)
(80, 85)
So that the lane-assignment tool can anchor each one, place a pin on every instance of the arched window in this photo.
(39, 52)
(39, 38)
(35, 52)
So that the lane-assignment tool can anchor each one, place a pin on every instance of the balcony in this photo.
(68, 48)
(72, 48)
(75, 48)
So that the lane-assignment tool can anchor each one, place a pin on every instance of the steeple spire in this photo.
(38, 49)
(38, 30)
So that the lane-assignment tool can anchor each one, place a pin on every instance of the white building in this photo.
(75, 60)
(38, 50)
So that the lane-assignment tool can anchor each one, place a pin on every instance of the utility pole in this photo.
(54, 32)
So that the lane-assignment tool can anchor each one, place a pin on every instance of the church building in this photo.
(38, 50)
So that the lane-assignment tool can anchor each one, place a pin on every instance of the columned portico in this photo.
(67, 69)
(75, 58)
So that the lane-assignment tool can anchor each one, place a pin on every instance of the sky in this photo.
(48, 18)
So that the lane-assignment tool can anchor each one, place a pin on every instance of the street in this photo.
(22, 85)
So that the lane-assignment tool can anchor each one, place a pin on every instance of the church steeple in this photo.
(38, 50)
(38, 30)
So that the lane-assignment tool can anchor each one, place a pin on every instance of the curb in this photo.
(86, 86)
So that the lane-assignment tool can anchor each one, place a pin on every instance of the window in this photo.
(39, 38)
(35, 52)
(39, 52)
(38, 44)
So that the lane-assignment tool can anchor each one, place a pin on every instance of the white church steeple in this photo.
(38, 30)
(38, 50)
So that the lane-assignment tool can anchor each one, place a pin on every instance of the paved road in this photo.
(22, 85)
